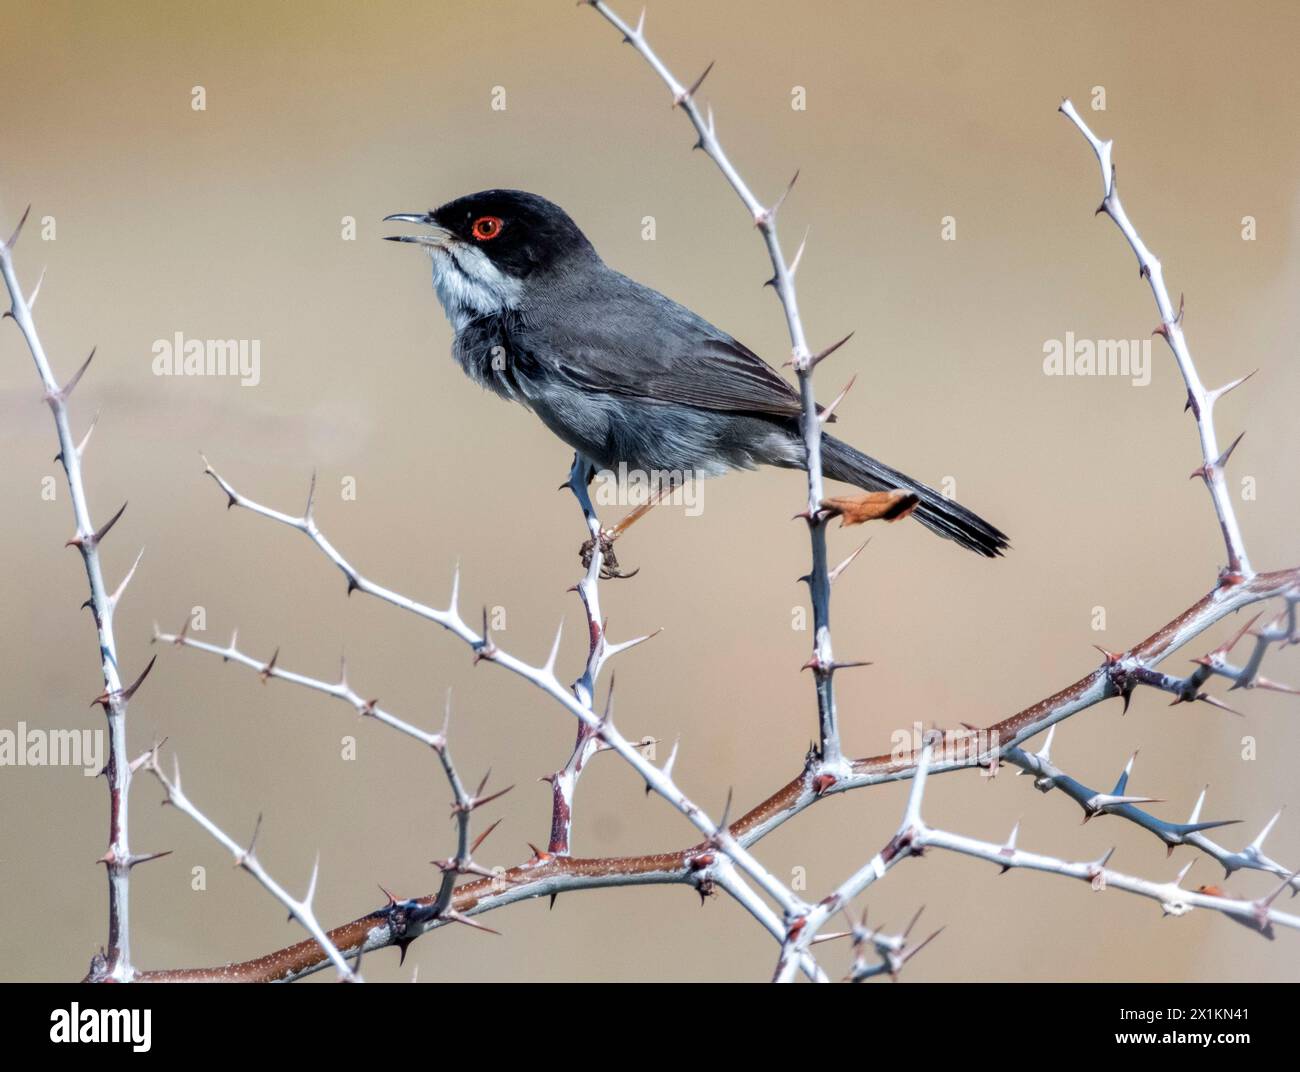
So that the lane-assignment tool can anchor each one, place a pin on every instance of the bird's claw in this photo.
(609, 567)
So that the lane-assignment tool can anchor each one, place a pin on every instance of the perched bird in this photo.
(618, 371)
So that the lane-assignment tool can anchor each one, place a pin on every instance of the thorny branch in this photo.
(544, 677)
(548, 873)
(822, 663)
(114, 962)
(246, 859)
(1199, 400)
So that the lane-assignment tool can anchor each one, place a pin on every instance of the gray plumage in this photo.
(620, 372)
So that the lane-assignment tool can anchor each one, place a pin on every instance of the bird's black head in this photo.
(517, 232)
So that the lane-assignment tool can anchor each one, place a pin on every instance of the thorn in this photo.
(479, 800)
(484, 836)
(311, 496)
(834, 574)
(1224, 649)
(31, 300)
(456, 917)
(549, 668)
(455, 584)
(1122, 783)
(250, 852)
(113, 599)
(825, 415)
(614, 649)
(1009, 849)
(94, 538)
(68, 387)
(1203, 471)
(798, 253)
(1222, 460)
(146, 757)
(1196, 810)
(311, 883)
(897, 961)
(1258, 843)
(81, 447)
(768, 215)
(143, 858)
(1102, 803)
(1045, 752)
(1219, 392)
(672, 758)
(269, 669)
(485, 649)
(725, 821)
(686, 94)
(13, 238)
(124, 695)
(1262, 682)
(1213, 701)
(608, 712)
(818, 358)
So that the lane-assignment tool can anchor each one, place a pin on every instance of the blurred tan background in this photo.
(226, 223)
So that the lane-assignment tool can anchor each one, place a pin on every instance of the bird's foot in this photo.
(609, 567)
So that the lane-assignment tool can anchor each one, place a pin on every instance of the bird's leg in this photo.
(610, 567)
(581, 474)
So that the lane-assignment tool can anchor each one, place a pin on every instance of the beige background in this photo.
(226, 223)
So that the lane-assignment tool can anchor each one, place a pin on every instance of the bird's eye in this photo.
(485, 228)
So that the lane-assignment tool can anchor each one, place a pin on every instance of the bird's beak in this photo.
(439, 237)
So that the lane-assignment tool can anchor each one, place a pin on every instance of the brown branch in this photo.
(547, 873)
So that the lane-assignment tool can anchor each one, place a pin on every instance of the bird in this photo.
(628, 378)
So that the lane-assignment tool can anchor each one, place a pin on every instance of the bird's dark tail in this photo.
(938, 514)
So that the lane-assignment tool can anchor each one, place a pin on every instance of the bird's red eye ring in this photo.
(485, 228)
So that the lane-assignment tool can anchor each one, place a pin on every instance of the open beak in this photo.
(439, 237)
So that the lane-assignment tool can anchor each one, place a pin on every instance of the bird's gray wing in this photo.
(635, 342)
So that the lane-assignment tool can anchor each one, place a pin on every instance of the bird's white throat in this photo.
(469, 285)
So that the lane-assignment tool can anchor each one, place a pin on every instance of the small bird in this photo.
(622, 374)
